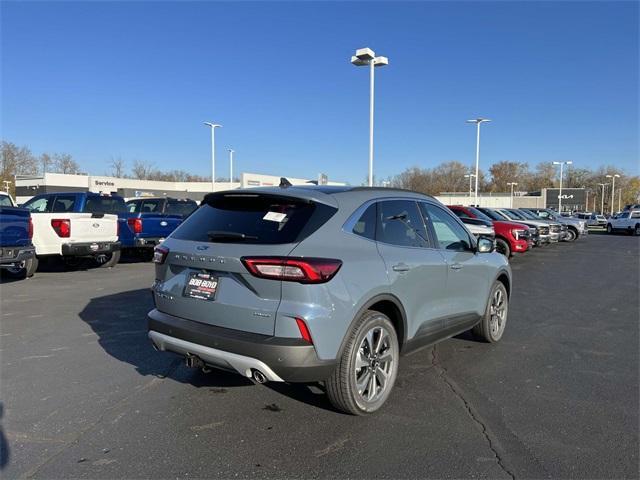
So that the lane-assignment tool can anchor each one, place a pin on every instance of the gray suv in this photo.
(332, 284)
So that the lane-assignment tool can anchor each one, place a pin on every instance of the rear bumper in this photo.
(278, 358)
(89, 249)
(147, 242)
(10, 256)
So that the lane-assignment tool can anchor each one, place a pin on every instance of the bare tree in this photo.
(16, 161)
(505, 172)
(142, 170)
(64, 163)
(117, 165)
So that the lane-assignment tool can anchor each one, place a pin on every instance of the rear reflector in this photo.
(160, 255)
(301, 270)
(62, 227)
(30, 227)
(304, 330)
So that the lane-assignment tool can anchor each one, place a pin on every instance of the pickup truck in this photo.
(76, 225)
(626, 221)
(510, 237)
(575, 226)
(146, 222)
(17, 254)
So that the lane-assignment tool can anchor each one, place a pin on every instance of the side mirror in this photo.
(485, 245)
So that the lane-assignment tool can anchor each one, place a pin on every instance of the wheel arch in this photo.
(387, 304)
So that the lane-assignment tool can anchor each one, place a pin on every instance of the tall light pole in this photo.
(477, 121)
(613, 188)
(560, 194)
(367, 57)
(231, 152)
(513, 184)
(619, 197)
(602, 199)
(469, 176)
(213, 152)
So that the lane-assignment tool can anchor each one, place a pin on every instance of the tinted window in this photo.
(461, 213)
(450, 235)
(366, 224)
(512, 215)
(263, 219)
(64, 203)
(399, 223)
(102, 204)
(132, 207)
(180, 207)
(480, 214)
(5, 201)
(39, 204)
(152, 206)
(491, 214)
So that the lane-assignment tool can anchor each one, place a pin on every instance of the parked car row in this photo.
(519, 230)
(75, 226)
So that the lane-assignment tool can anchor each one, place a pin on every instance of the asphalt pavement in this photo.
(85, 396)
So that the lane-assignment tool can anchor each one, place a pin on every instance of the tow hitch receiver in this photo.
(193, 361)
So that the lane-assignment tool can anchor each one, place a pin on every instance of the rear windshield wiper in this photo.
(216, 235)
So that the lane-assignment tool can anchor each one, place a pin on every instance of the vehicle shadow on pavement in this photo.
(120, 323)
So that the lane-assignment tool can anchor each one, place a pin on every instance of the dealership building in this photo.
(573, 199)
(29, 185)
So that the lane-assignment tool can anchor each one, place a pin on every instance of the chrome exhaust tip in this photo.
(258, 376)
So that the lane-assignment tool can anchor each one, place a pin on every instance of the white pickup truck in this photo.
(74, 226)
(627, 221)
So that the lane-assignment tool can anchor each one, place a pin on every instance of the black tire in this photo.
(502, 246)
(26, 270)
(636, 230)
(341, 386)
(112, 260)
(609, 228)
(486, 329)
(572, 235)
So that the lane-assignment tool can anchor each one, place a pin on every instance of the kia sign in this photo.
(572, 198)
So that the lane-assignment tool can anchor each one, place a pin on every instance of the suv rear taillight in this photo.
(62, 226)
(301, 270)
(135, 224)
(30, 228)
(160, 255)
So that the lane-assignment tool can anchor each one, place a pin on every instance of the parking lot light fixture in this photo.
(512, 184)
(470, 176)
(367, 57)
(213, 152)
(613, 188)
(477, 121)
(231, 152)
(560, 194)
(602, 199)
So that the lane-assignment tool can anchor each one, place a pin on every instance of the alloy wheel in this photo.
(498, 312)
(374, 364)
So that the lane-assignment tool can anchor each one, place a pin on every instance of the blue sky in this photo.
(136, 80)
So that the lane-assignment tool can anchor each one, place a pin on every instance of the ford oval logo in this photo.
(95, 225)
(202, 247)
(163, 223)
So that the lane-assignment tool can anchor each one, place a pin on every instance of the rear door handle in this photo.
(401, 267)
(456, 266)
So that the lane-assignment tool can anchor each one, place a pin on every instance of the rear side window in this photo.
(400, 223)
(180, 207)
(5, 201)
(64, 203)
(461, 213)
(366, 224)
(39, 204)
(132, 207)
(635, 215)
(100, 204)
(254, 219)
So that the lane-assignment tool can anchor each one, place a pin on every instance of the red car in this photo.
(511, 237)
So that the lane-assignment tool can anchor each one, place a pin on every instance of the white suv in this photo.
(628, 221)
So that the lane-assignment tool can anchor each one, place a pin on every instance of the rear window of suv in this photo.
(103, 204)
(180, 207)
(253, 218)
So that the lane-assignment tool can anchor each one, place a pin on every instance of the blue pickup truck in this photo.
(17, 253)
(147, 221)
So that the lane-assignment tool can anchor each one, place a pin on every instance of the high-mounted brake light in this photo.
(30, 227)
(290, 269)
(62, 227)
(160, 255)
(135, 224)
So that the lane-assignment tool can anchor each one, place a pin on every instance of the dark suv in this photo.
(308, 284)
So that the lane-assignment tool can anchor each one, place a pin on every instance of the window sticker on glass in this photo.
(275, 217)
